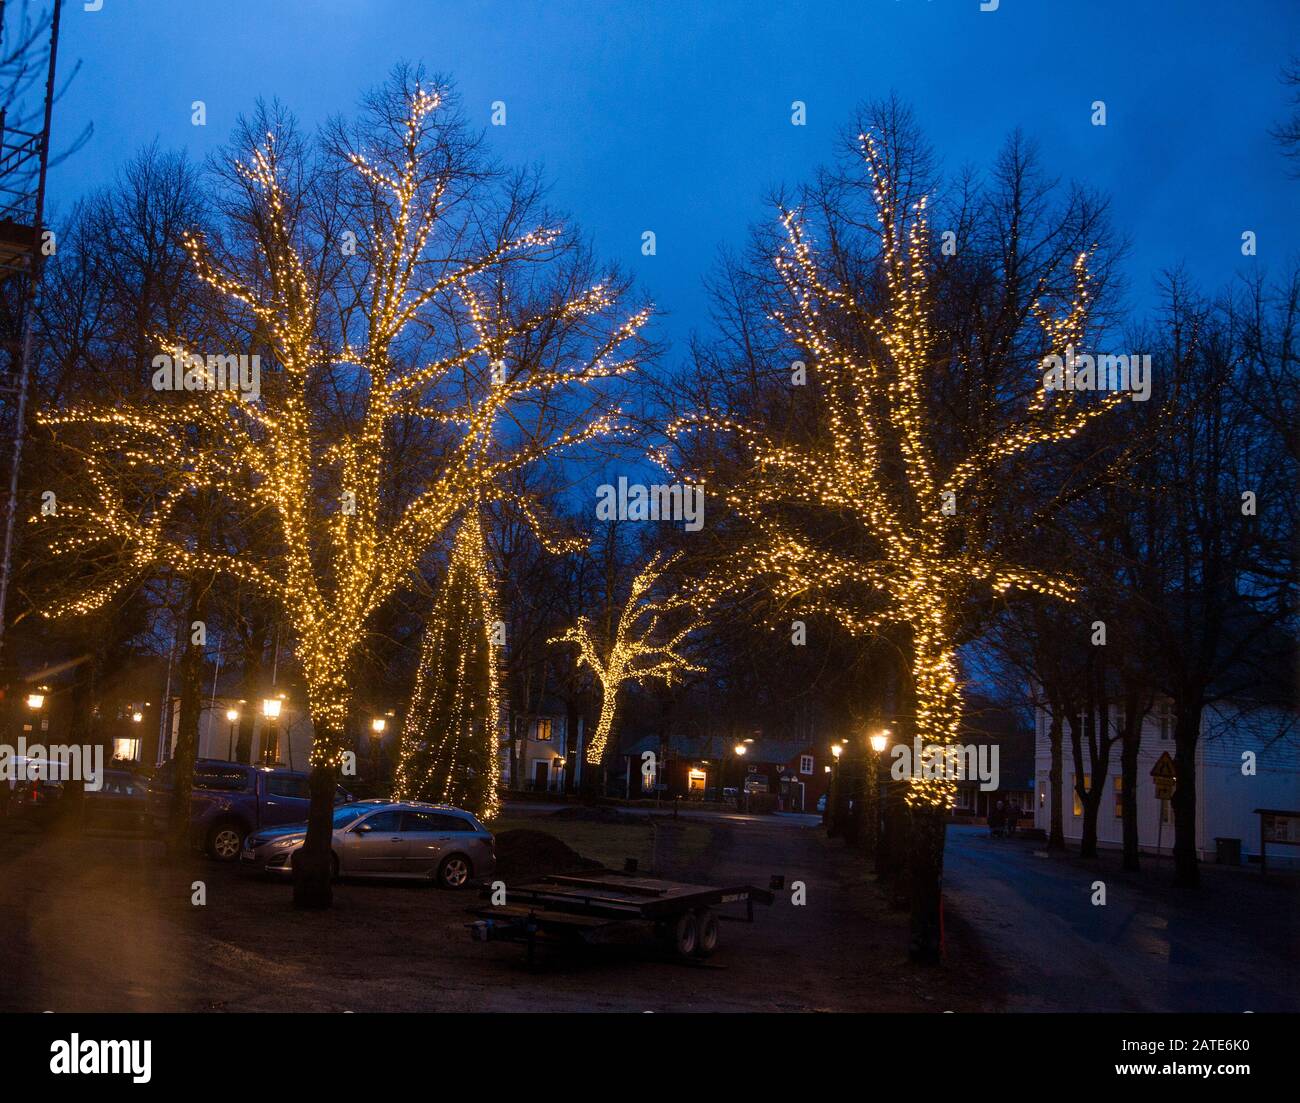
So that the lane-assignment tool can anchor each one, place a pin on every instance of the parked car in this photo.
(232, 799)
(375, 838)
(121, 802)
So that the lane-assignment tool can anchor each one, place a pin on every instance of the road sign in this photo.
(1165, 775)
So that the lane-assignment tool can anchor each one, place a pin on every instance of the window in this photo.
(438, 822)
(126, 750)
(805, 764)
(542, 729)
(383, 821)
(1165, 715)
(287, 785)
(1074, 790)
(1118, 783)
(349, 812)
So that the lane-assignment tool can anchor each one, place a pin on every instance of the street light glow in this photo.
(271, 707)
(741, 748)
(880, 741)
(378, 724)
(35, 700)
(232, 715)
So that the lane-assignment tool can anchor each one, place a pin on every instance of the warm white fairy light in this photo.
(637, 651)
(450, 734)
(880, 471)
(328, 568)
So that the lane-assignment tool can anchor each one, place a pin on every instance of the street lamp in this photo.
(137, 716)
(271, 740)
(878, 742)
(377, 726)
(35, 701)
(232, 715)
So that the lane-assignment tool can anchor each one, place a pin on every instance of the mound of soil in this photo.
(524, 853)
(598, 813)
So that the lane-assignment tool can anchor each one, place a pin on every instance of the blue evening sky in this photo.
(675, 116)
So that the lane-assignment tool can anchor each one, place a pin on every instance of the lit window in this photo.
(1165, 715)
(1074, 789)
(805, 764)
(126, 750)
(1118, 782)
(542, 730)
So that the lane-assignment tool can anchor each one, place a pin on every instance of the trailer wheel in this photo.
(707, 939)
(686, 935)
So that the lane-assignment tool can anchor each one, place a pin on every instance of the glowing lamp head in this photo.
(232, 715)
(378, 724)
(837, 749)
(880, 741)
(271, 707)
(35, 700)
(136, 717)
(741, 748)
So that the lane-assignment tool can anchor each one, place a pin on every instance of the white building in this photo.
(1227, 791)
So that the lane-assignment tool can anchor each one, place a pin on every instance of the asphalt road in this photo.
(1229, 946)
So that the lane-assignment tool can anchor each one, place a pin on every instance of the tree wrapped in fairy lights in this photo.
(375, 283)
(636, 646)
(879, 516)
(451, 732)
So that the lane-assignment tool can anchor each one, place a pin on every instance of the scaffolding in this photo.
(24, 159)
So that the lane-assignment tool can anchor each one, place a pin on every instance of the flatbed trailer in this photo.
(597, 905)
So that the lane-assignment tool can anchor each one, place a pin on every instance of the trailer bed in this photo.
(597, 905)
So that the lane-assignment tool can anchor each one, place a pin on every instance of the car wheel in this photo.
(224, 841)
(707, 940)
(686, 935)
(454, 873)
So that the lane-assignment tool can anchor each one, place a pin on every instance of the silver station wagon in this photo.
(378, 838)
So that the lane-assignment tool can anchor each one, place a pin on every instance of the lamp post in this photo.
(377, 726)
(232, 717)
(877, 744)
(742, 797)
(271, 737)
(832, 819)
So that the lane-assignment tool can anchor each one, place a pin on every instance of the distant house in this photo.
(543, 752)
(794, 771)
(1245, 759)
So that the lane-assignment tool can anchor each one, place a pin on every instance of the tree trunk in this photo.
(1187, 731)
(179, 836)
(938, 723)
(313, 871)
(1055, 780)
(251, 689)
(926, 873)
(1088, 839)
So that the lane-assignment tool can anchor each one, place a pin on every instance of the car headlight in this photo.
(279, 844)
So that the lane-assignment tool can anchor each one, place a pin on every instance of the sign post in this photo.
(1165, 775)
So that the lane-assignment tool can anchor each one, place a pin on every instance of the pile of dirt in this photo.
(523, 853)
(597, 813)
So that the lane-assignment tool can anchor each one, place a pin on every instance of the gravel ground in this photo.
(105, 923)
